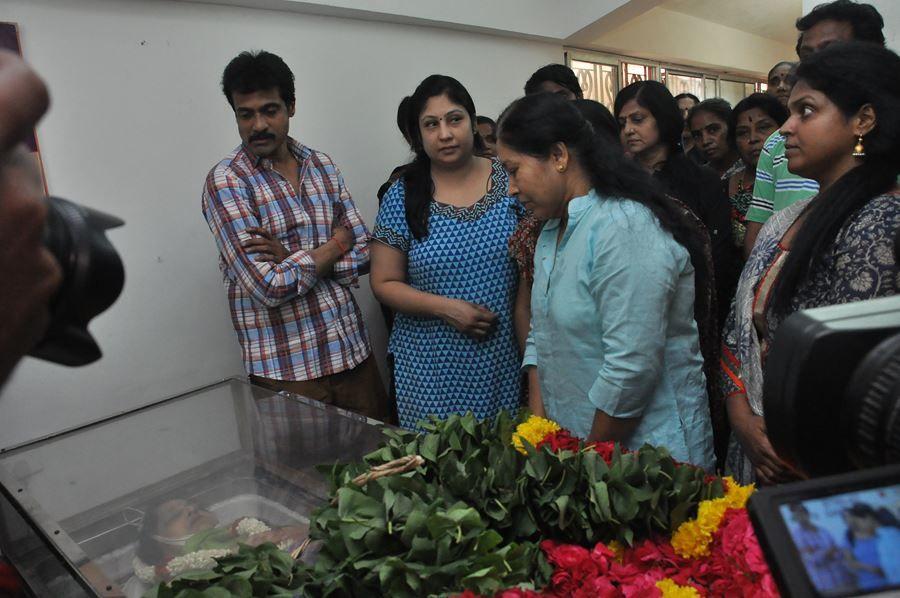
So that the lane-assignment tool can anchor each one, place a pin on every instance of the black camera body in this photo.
(93, 277)
(831, 393)
(832, 406)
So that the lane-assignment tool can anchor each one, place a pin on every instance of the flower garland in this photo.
(529, 508)
(693, 538)
(714, 554)
(199, 559)
(192, 561)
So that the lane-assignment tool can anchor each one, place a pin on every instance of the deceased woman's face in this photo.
(179, 518)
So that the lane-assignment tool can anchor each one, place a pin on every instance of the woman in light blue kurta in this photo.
(613, 334)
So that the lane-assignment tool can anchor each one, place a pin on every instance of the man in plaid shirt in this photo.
(291, 244)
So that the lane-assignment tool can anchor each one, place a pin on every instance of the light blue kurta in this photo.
(612, 316)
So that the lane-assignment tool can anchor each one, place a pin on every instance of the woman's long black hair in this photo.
(850, 75)
(680, 174)
(417, 177)
(533, 124)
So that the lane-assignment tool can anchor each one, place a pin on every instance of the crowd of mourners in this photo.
(622, 272)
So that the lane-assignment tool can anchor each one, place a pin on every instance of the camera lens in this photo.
(93, 277)
(871, 413)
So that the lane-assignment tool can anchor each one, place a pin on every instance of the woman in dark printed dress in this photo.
(752, 121)
(844, 133)
(441, 264)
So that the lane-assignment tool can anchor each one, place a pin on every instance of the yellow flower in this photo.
(690, 541)
(692, 538)
(738, 496)
(534, 429)
(617, 548)
(670, 589)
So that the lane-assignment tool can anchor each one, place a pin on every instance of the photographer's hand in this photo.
(29, 273)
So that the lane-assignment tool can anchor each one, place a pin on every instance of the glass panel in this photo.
(749, 88)
(684, 84)
(733, 91)
(632, 73)
(709, 88)
(598, 81)
(231, 462)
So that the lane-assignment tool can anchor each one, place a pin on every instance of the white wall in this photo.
(137, 121)
(533, 18)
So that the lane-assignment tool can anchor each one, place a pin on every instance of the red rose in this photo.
(548, 545)
(561, 582)
(559, 441)
(599, 587)
(625, 572)
(768, 588)
(603, 557)
(643, 586)
(568, 556)
(604, 449)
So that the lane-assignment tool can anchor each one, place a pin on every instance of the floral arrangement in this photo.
(715, 553)
(510, 508)
(199, 557)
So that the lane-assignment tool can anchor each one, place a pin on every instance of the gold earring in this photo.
(561, 168)
(858, 150)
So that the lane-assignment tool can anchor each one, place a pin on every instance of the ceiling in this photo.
(773, 19)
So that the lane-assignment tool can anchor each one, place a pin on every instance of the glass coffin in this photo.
(108, 509)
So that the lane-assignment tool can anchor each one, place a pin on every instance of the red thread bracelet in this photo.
(344, 248)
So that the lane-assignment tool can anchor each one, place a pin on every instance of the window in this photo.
(683, 83)
(633, 72)
(603, 75)
(598, 80)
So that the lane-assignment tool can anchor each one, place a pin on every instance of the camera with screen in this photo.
(832, 409)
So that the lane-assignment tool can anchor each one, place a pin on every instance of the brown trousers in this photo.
(359, 389)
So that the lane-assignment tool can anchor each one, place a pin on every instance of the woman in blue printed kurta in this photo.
(441, 263)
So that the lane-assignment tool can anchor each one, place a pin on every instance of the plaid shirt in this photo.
(291, 324)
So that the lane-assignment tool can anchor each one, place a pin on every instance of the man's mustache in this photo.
(261, 137)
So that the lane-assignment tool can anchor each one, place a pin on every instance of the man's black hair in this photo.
(681, 96)
(555, 73)
(258, 71)
(865, 20)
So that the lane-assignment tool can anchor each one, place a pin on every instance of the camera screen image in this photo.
(848, 543)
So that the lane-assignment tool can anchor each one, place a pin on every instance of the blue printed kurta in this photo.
(438, 370)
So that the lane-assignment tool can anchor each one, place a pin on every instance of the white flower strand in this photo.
(199, 559)
(249, 526)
